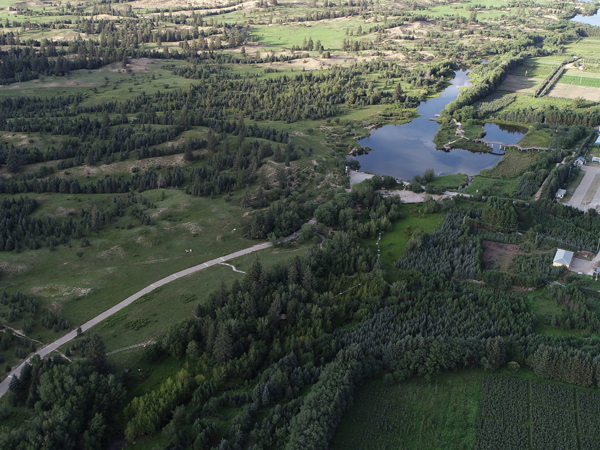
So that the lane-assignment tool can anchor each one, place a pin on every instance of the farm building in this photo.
(560, 193)
(562, 258)
(579, 161)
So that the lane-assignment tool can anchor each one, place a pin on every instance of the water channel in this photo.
(404, 151)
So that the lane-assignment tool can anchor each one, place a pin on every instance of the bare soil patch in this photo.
(570, 91)
(12, 269)
(499, 256)
(519, 85)
(125, 166)
(112, 253)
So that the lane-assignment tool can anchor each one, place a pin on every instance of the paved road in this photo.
(580, 199)
(128, 301)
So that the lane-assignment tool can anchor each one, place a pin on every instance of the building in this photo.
(597, 141)
(579, 161)
(562, 258)
(560, 193)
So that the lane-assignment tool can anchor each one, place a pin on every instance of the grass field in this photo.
(450, 181)
(392, 243)
(511, 165)
(416, 414)
(490, 186)
(537, 138)
(579, 81)
(177, 300)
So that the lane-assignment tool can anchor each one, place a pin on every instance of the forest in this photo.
(139, 141)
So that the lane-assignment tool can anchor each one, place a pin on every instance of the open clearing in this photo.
(499, 256)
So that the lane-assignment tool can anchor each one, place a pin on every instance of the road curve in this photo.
(128, 301)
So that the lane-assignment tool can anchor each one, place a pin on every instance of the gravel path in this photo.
(128, 301)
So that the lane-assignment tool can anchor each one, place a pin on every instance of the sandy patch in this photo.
(115, 252)
(58, 290)
(569, 91)
(61, 211)
(12, 269)
(415, 27)
(125, 166)
(154, 215)
(191, 227)
(23, 139)
(218, 6)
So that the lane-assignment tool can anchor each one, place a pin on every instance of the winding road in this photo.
(128, 301)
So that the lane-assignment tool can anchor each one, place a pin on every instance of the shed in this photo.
(562, 258)
(597, 141)
(580, 161)
(560, 193)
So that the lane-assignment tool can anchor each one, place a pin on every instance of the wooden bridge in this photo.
(502, 144)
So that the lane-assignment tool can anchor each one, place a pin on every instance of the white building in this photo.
(563, 258)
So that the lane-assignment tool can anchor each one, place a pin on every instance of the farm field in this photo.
(415, 414)
(526, 414)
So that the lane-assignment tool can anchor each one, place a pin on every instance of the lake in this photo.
(589, 20)
(404, 151)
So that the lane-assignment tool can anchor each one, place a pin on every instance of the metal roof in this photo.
(563, 257)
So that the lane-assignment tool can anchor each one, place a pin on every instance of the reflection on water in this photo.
(404, 151)
(589, 20)
(507, 134)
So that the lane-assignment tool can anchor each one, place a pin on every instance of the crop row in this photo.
(589, 423)
(510, 433)
(549, 417)
(589, 443)
(483, 444)
(505, 387)
(588, 401)
(504, 409)
(546, 439)
(552, 395)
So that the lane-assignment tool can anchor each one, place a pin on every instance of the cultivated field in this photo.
(525, 414)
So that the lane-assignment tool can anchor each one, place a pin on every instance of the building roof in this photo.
(560, 192)
(598, 140)
(581, 158)
(563, 257)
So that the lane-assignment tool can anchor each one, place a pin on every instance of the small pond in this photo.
(404, 151)
(589, 20)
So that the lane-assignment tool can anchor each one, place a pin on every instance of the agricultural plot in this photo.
(562, 90)
(520, 85)
(523, 414)
(580, 81)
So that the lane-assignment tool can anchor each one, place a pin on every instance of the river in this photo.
(404, 151)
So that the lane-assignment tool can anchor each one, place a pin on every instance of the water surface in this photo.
(589, 20)
(404, 151)
(507, 134)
